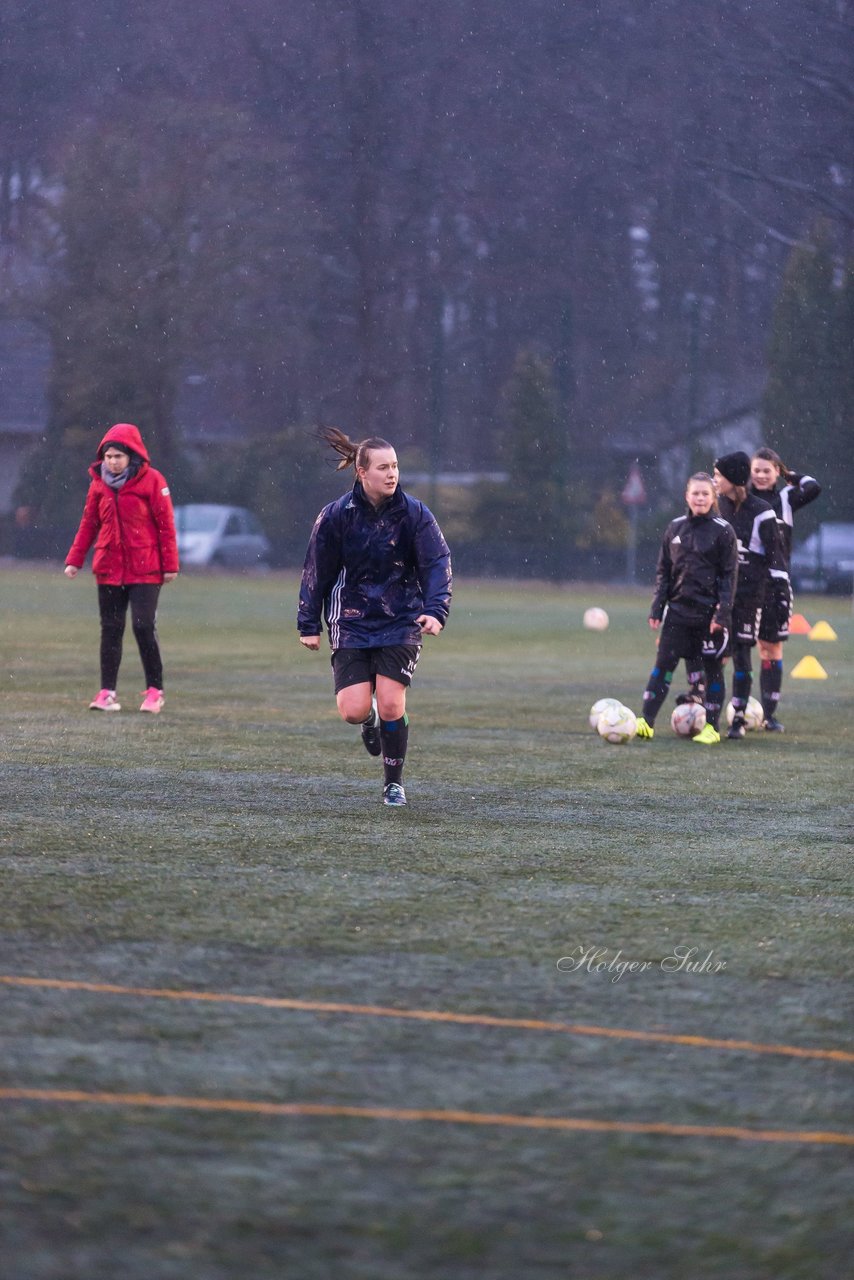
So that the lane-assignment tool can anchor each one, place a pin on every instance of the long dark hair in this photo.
(353, 453)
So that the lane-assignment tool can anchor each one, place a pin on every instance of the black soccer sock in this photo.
(771, 682)
(656, 691)
(742, 676)
(696, 682)
(714, 698)
(394, 736)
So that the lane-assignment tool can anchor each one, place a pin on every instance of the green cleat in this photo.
(707, 736)
(645, 730)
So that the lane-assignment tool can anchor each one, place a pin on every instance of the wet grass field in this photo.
(256, 1024)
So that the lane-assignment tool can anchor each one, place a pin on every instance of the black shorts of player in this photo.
(769, 627)
(362, 666)
(679, 639)
(774, 623)
(745, 625)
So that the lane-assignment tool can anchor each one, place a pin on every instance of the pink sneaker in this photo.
(105, 701)
(153, 701)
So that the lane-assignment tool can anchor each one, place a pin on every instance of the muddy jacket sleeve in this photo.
(321, 568)
(433, 565)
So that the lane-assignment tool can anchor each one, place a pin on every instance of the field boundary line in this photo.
(571, 1124)
(426, 1015)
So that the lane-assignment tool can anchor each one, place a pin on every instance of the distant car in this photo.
(212, 534)
(825, 561)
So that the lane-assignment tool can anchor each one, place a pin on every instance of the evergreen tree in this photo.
(806, 411)
(165, 235)
(531, 514)
(840, 473)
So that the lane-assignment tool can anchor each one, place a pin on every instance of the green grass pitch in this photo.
(236, 845)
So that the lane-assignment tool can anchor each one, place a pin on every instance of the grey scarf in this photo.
(115, 482)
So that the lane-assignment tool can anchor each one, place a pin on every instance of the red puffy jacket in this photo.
(133, 528)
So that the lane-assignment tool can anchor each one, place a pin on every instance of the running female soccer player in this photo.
(379, 570)
(766, 469)
(694, 590)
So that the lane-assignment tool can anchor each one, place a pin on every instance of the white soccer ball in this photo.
(688, 719)
(597, 709)
(595, 619)
(754, 715)
(617, 724)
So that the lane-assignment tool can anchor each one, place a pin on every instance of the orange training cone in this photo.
(809, 668)
(798, 625)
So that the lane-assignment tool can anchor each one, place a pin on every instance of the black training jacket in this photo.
(800, 491)
(760, 551)
(697, 570)
(372, 571)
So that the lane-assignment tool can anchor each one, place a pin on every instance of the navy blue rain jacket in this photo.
(371, 571)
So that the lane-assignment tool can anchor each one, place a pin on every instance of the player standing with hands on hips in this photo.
(379, 570)
(128, 515)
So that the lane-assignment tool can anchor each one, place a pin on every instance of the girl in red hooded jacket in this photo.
(128, 515)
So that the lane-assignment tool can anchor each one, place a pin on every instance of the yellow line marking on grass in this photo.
(428, 1015)
(244, 1106)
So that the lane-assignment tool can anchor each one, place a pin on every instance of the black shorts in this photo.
(678, 639)
(774, 625)
(745, 625)
(362, 666)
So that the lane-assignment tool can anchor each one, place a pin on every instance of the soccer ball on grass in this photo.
(597, 709)
(617, 724)
(688, 719)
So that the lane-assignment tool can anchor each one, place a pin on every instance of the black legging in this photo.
(113, 603)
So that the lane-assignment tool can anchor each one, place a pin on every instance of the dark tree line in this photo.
(363, 213)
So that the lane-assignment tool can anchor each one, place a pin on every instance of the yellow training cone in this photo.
(809, 668)
(823, 631)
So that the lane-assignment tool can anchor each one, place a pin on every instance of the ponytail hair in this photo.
(703, 477)
(352, 453)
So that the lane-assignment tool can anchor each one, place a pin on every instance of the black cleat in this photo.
(371, 734)
(682, 698)
(737, 729)
(773, 726)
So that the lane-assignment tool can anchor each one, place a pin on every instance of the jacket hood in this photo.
(126, 434)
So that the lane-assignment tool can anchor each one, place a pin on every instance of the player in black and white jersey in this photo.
(766, 471)
(692, 606)
(760, 558)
